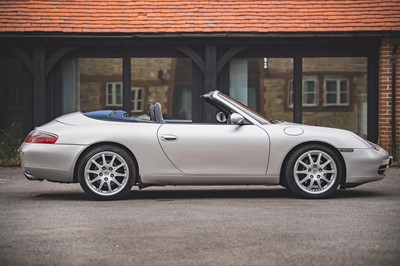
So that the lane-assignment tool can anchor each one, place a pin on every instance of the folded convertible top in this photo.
(111, 115)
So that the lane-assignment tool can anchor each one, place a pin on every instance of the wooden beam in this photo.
(56, 57)
(39, 86)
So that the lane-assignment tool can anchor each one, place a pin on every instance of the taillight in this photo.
(40, 137)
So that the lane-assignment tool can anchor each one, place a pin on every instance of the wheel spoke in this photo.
(304, 164)
(318, 162)
(301, 172)
(93, 171)
(97, 165)
(121, 174)
(319, 184)
(311, 183)
(304, 180)
(325, 164)
(311, 159)
(101, 184)
(328, 171)
(325, 179)
(116, 182)
(118, 166)
(103, 156)
(109, 186)
(94, 180)
(112, 160)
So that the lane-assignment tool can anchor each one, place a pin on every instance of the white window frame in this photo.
(338, 102)
(114, 94)
(135, 100)
(305, 80)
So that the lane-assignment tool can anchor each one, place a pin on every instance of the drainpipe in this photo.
(394, 61)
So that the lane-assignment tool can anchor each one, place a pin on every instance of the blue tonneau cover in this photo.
(111, 115)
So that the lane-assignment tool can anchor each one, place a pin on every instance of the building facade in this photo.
(323, 63)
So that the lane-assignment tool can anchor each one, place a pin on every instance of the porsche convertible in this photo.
(108, 152)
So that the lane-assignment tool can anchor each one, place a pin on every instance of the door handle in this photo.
(169, 137)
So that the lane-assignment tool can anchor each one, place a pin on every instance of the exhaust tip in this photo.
(31, 177)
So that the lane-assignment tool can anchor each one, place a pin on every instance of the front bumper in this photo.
(366, 165)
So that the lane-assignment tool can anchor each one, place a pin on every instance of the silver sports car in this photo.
(108, 152)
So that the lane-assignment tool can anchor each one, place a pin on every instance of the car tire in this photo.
(106, 172)
(313, 171)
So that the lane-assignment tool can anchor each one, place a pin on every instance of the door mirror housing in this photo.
(237, 119)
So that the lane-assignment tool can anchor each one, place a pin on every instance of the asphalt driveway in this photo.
(43, 223)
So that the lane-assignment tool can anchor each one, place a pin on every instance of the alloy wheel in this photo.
(106, 173)
(315, 172)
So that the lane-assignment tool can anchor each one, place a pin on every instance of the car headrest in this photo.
(158, 113)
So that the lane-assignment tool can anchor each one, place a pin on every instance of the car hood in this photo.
(338, 138)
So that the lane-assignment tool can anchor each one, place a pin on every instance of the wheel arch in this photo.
(282, 178)
(94, 145)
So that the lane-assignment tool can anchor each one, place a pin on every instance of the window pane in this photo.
(109, 88)
(119, 99)
(265, 88)
(167, 80)
(331, 86)
(91, 83)
(342, 106)
(310, 98)
(331, 98)
(310, 86)
(343, 86)
(343, 98)
(118, 88)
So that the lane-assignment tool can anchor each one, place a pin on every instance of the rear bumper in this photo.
(53, 162)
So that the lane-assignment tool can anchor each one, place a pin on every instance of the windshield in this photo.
(260, 119)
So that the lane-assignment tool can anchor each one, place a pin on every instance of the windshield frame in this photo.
(243, 109)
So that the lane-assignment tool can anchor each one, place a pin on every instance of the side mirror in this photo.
(237, 119)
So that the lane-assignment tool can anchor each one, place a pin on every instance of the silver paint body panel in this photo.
(196, 154)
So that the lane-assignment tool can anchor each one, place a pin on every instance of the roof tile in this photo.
(191, 16)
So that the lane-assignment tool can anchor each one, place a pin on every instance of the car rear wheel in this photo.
(313, 171)
(106, 172)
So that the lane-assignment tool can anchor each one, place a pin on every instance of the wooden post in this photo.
(39, 86)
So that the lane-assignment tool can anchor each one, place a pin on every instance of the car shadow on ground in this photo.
(270, 193)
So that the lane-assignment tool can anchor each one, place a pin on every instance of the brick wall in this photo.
(385, 95)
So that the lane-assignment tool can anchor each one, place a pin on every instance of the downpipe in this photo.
(394, 124)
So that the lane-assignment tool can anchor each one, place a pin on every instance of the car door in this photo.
(212, 149)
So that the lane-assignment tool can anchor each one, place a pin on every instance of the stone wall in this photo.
(95, 73)
(276, 81)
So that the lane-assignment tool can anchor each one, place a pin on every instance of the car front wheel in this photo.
(106, 172)
(313, 171)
